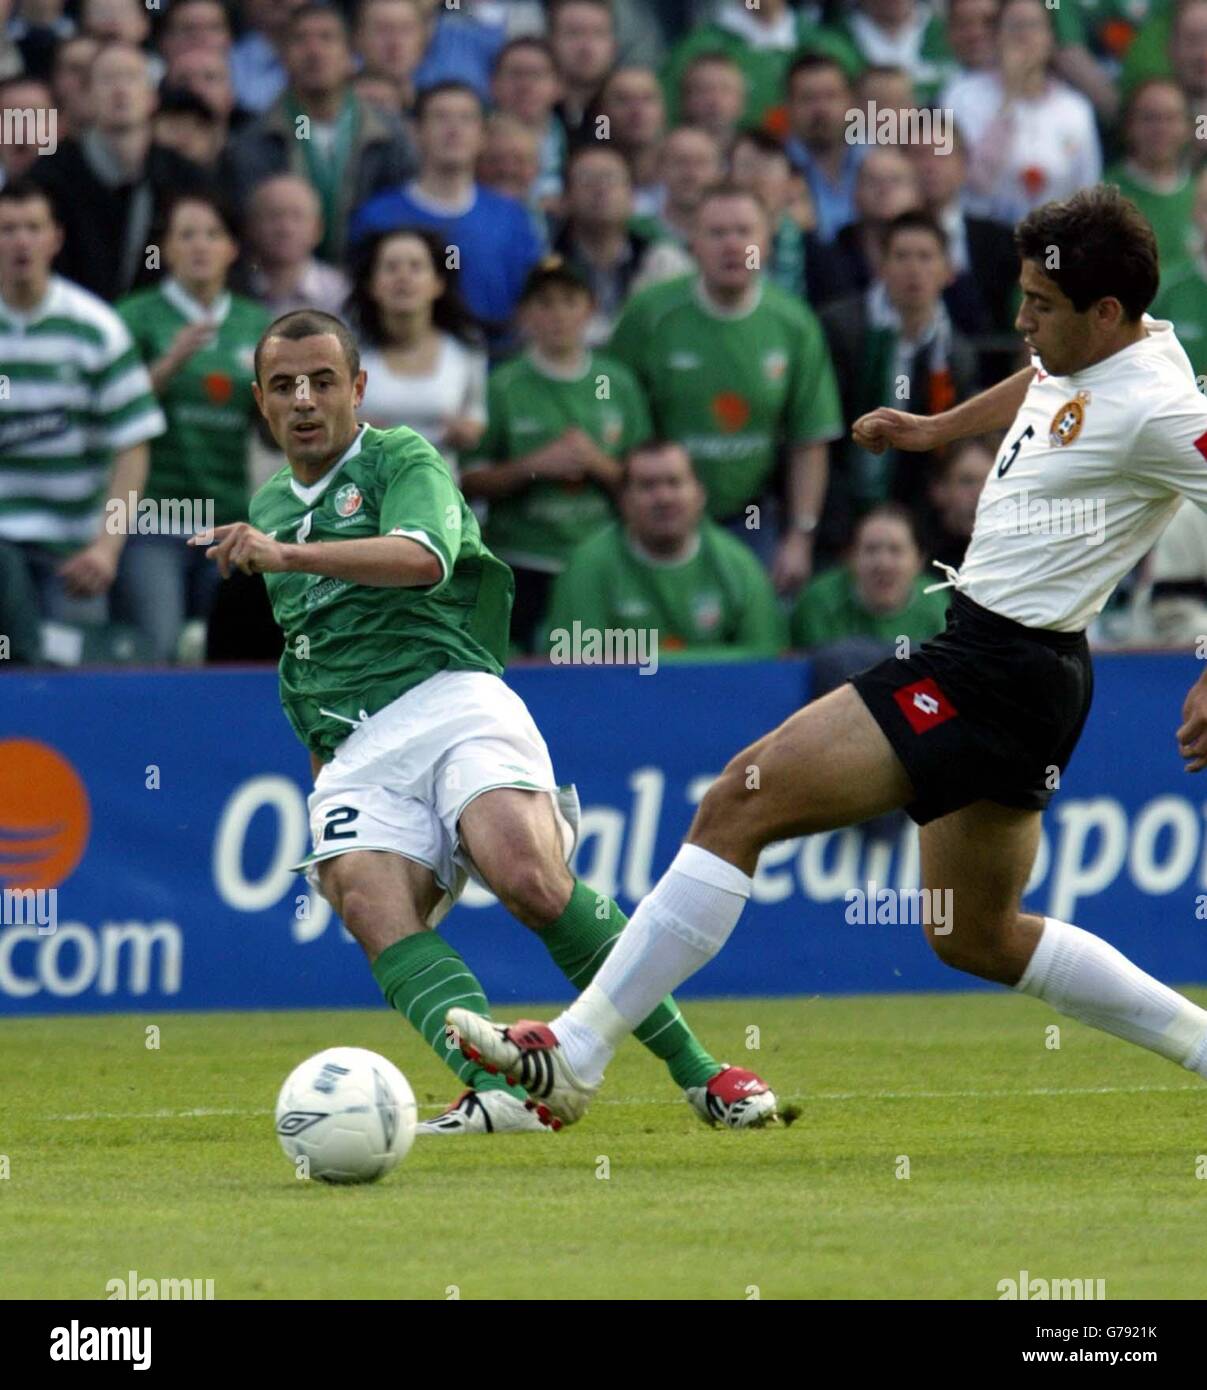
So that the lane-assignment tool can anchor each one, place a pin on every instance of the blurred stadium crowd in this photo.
(632, 267)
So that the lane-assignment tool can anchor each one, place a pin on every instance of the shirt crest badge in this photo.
(348, 500)
(1068, 420)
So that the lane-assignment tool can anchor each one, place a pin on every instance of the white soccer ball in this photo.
(349, 1113)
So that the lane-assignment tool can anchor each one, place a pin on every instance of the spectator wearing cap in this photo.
(559, 419)
(739, 372)
(525, 85)
(284, 226)
(320, 129)
(600, 239)
(419, 347)
(879, 591)
(112, 184)
(893, 344)
(197, 340)
(666, 568)
(495, 243)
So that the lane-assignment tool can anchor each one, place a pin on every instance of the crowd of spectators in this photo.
(632, 266)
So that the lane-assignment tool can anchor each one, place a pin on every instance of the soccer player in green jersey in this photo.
(428, 768)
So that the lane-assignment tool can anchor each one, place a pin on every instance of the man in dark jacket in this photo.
(112, 185)
(893, 344)
(319, 129)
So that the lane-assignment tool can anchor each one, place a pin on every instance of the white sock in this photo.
(1085, 977)
(677, 928)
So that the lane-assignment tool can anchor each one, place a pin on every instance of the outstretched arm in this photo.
(385, 562)
(990, 410)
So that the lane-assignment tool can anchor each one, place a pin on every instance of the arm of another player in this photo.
(993, 409)
(383, 562)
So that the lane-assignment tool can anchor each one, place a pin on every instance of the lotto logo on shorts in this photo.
(924, 705)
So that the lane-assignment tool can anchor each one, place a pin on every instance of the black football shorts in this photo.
(989, 710)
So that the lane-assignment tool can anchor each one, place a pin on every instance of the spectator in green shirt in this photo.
(879, 592)
(197, 340)
(738, 372)
(1182, 297)
(1155, 171)
(559, 419)
(666, 568)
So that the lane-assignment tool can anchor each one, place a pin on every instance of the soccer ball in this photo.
(349, 1113)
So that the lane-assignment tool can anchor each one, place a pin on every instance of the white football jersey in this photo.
(1091, 471)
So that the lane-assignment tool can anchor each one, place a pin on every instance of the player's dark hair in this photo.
(23, 189)
(915, 220)
(449, 313)
(438, 89)
(310, 323)
(813, 62)
(1094, 245)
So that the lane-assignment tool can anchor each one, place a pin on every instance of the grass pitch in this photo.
(1076, 1162)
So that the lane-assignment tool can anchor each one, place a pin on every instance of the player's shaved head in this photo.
(310, 323)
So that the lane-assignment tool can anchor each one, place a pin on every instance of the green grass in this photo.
(1070, 1163)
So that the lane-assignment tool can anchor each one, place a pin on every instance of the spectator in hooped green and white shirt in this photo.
(559, 419)
(197, 340)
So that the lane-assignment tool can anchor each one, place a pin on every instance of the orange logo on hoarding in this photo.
(45, 815)
(730, 411)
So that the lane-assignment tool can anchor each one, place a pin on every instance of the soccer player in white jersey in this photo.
(1106, 434)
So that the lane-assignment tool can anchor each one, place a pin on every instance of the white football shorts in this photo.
(400, 781)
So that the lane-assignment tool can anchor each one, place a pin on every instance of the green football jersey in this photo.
(1169, 213)
(351, 649)
(721, 598)
(1182, 299)
(733, 389)
(829, 609)
(208, 401)
(526, 409)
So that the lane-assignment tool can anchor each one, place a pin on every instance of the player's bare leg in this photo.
(514, 840)
(983, 854)
(828, 765)
(384, 901)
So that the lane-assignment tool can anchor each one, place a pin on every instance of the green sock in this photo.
(422, 976)
(579, 942)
